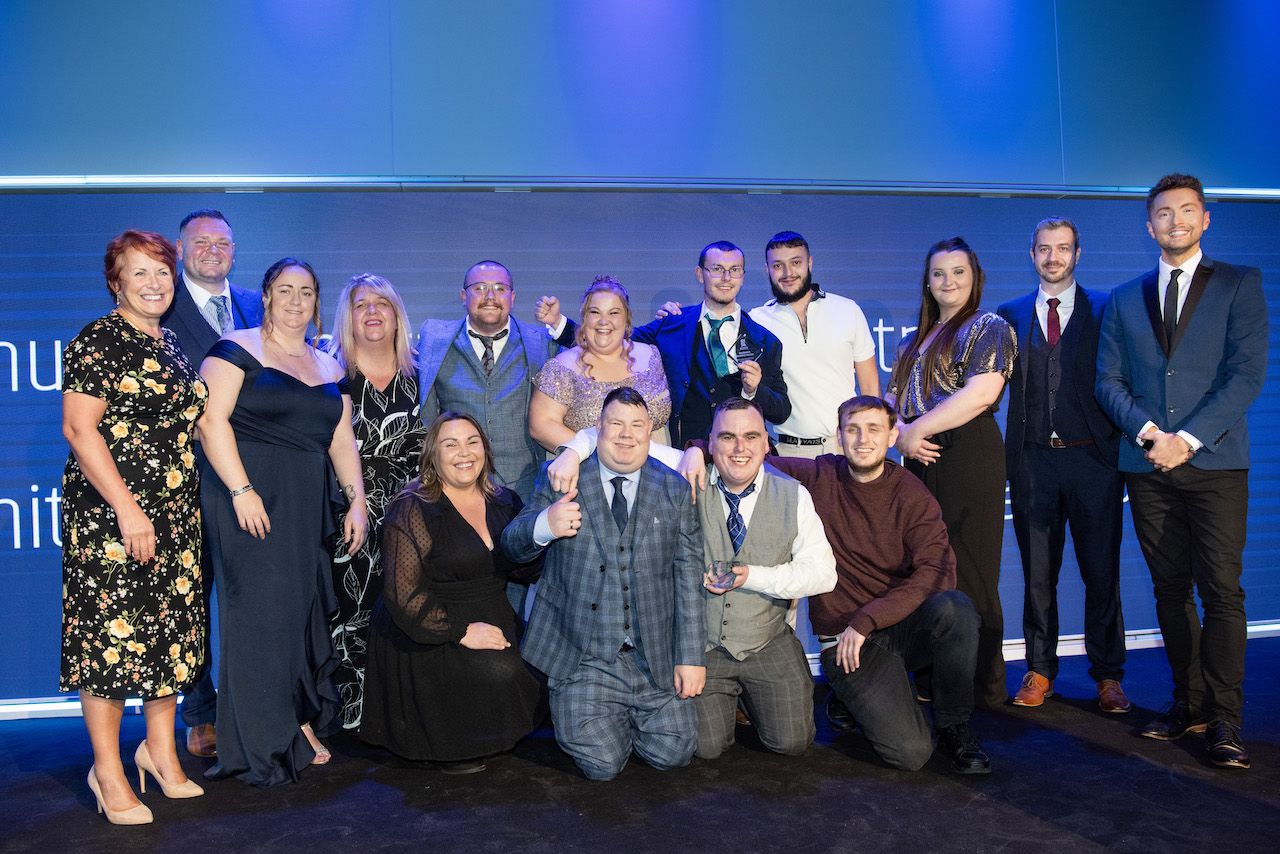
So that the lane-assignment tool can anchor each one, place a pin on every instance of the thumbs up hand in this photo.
(564, 516)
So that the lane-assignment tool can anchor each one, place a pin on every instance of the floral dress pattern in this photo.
(131, 629)
(389, 435)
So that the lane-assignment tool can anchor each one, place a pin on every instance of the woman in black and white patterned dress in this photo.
(371, 341)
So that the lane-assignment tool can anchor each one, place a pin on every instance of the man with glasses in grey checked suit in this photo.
(618, 625)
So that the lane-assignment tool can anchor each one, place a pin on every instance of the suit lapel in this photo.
(1026, 320)
(645, 512)
(1151, 296)
(1198, 282)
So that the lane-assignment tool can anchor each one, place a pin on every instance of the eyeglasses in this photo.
(720, 272)
(485, 288)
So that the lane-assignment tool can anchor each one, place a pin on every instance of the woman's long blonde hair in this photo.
(344, 341)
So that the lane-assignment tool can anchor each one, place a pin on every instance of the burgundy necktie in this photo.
(1055, 326)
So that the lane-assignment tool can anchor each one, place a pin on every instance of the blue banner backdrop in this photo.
(867, 247)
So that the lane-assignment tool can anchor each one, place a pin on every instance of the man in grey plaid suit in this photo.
(618, 625)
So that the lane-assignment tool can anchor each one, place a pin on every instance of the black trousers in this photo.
(1191, 524)
(1051, 488)
(968, 481)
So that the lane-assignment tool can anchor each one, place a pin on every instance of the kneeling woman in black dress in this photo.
(444, 680)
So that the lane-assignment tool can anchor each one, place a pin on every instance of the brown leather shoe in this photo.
(1033, 691)
(1111, 697)
(202, 741)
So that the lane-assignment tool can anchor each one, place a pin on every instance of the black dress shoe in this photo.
(1175, 720)
(965, 751)
(464, 766)
(1225, 748)
(839, 718)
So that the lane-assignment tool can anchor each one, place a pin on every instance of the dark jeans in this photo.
(1191, 526)
(941, 633)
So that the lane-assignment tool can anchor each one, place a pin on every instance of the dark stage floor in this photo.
(1066, 778)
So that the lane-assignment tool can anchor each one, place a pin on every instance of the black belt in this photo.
(796, 440)
(1055, 442)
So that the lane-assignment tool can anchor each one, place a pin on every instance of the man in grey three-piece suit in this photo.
(484, 365)
(1181, 358)
(205, 307)
(618, 625)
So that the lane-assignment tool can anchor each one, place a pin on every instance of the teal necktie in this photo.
(719, 358)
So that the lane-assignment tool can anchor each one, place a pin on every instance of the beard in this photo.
(784, 298)
(1063, 274)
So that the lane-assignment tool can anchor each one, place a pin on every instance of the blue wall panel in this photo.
(870, 248)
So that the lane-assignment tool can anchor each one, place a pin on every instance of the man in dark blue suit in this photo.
(205, 307)
(710, 354)
(1181, 357)
(621, 645)
(1060, 454)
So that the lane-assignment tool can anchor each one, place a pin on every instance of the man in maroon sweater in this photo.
(895, 608)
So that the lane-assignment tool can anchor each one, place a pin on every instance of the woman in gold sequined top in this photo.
(946, 383)
(570, 389)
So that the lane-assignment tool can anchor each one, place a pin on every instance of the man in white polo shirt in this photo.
(828, 354)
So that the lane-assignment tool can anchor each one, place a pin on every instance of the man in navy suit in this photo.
(205, 307)
(1181, 357)
(711, 354)
(618, 625)
(483, 364)
(1060, 453)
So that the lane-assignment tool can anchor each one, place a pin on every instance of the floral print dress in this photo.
(131, 629)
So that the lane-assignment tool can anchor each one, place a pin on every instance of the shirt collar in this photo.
(200, 296)
(1066, 299)
(1188, 268)
(471, 328)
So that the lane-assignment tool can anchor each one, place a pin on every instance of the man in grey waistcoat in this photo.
(764, 525)
(483, 365)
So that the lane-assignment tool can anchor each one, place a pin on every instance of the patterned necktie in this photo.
(737, 528)
(619, 504)
(1171, 306)
(486, 361)
(220, 313)
(1054, 324)
(719, 358)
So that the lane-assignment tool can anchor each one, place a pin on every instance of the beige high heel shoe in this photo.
(322, 753)
(142, 758)
(134, 815)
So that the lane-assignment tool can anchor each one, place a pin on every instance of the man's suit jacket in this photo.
(530, 346)
(662, 549)
(1203, 381)
(195, 335)
(678, 337)
(1079, 343)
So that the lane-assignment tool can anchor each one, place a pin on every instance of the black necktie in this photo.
(1054, 323)
(737, 527)
(486, 361)
(1171, 306)
(619, 505)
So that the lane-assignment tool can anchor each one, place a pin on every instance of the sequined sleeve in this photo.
(986, 344)
(558, 382)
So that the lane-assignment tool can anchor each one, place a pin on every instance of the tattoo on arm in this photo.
(350, 492)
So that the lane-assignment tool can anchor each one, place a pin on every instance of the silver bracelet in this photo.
(248, 487)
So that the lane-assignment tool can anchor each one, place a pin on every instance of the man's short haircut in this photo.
(1174, 181)
(719, 246)
(862, 403)
(1053, 222)
(627, 395)
(503, 267)
(787, 238)
(203, 213)
(734, 404)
